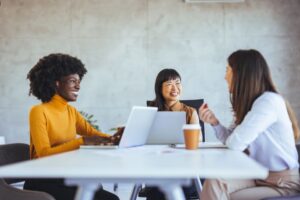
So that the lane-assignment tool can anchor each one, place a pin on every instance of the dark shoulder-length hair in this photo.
(251, 77)
(50, 69)
(162, 76)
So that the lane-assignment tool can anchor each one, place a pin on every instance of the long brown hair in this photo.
(251, 77)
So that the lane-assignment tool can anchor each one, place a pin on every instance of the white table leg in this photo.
(173, 192)
(171, 187)
(85, 189)
(86, 192)
(135, 191)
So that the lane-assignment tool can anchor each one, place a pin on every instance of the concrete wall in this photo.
(124, 44)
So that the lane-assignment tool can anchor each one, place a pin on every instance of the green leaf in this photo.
(90, 120)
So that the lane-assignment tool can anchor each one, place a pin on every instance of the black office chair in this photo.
(13, 153)
(194, 103)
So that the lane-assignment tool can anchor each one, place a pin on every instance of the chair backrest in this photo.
(298, 150)
(194, 103)
(13, 153)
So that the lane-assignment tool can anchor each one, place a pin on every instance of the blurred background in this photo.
(125, 43)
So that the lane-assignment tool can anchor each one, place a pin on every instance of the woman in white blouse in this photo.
(264, 127)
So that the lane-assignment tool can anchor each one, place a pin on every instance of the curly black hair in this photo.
(50, 69)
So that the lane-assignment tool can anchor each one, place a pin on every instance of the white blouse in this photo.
(266, 132)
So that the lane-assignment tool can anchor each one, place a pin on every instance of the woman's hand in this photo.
(97, 140)
(206, 115)
(115, 139)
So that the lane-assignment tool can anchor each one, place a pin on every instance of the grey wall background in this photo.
(124, 44)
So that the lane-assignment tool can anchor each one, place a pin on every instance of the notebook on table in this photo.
(136, 130)
(167, 128)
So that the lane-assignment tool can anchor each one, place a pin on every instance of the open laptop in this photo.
(167, 128)
(136, 130)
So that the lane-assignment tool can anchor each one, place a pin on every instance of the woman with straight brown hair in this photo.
(264, 127)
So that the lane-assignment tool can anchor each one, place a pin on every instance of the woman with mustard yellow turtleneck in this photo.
(54, 124)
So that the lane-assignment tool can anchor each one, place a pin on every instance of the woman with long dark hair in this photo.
(264, 127)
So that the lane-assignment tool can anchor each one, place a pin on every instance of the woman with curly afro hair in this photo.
(54, 124)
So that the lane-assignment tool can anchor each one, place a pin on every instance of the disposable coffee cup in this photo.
(192, 133)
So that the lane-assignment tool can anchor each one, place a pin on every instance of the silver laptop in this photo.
(167, 128)
(136, 130)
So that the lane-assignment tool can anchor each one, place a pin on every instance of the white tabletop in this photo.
(140, 162)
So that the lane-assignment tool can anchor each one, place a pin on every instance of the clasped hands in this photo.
(99, 140)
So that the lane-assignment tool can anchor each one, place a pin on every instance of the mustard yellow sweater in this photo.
(54, 126)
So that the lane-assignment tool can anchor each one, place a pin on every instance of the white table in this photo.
(162, 166)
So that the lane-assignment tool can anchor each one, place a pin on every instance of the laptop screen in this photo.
(138, 126)
(167, 128)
